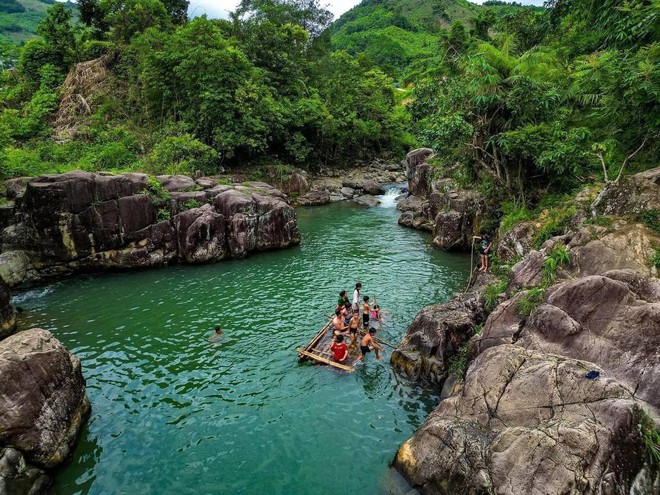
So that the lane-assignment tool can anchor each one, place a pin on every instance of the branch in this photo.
(629, 157)
(602, 160)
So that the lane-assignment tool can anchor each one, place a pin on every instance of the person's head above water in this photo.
(218, 329)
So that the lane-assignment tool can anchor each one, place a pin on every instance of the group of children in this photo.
(347, 322)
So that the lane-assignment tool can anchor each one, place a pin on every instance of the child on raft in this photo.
(339, 349)
(353, 326)
(365, 313)
(368, 343)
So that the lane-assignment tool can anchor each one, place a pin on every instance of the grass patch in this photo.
(514, 212)
(530, 300)
(556, 222)
(650, 432)
(190, 204)
(651, 218)
(459, 362)
(557, 257)
(492, 292)
(655, 259)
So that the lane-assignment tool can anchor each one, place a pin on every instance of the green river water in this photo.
(174, 413)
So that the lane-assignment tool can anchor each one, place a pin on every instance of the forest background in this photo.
(527, 103)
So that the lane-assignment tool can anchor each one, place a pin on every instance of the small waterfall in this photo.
(388, 200)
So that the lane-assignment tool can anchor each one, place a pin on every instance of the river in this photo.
(175, 413)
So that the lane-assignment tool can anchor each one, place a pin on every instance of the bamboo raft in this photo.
(318, 349)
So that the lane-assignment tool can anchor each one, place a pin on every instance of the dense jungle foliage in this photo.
(516, 99)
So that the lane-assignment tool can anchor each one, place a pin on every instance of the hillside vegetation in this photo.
(525, 103)
(19, 18)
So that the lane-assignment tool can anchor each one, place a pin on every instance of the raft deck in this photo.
(319, 350)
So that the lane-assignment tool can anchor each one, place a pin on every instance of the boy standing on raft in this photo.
(356, 296)
(368, 343)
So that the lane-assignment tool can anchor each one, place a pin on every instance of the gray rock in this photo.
(372, 187)
(367, 200)
(17, 477)
(575, 435)
(173, 183)
(314, 198)
(43, 405)
(436, 334)
(526, 273)
(347, 192)
(409, 203)
(81, 220)
(632, 194)
(15, 268)
(449, 233)
(516, 242)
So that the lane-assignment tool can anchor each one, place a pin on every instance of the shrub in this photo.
(163, 214)
(514, 213)
(651, 218)
(156, 191)
(190, 204)
(556, 222)
(650, 433)
(182, 155)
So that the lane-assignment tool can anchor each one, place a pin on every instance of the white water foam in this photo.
(388, 200)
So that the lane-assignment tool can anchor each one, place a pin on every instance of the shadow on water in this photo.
(175, 413)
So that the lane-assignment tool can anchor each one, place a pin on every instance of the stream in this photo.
(173, 412)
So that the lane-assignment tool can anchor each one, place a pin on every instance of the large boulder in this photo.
(449, 233)
(81, 220)
(516, 242)
(527, 423)
(7, 312)
(418, 172)
(16, 268)
(43, 404)
(436, 335)
(628, 246)
(632, 194)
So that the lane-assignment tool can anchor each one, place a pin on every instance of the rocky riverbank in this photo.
(562, 377)
(43, 407)
(60, 224)
(438, 205)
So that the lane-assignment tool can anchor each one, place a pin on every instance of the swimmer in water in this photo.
(217, 335)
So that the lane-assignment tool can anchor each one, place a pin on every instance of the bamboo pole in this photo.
(320, 359)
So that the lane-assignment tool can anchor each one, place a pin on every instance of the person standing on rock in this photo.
(484, 251)
(356, 296)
